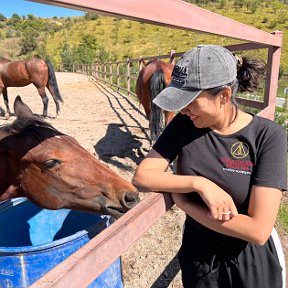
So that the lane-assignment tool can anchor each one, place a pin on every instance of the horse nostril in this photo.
(130, 200)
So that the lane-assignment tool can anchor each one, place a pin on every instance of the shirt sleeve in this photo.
(166, 145)
(271, 165)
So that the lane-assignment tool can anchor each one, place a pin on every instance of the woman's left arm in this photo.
(256, 227)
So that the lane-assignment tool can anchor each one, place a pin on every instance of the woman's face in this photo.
(206, 110)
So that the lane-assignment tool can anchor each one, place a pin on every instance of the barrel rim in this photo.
(9, 250)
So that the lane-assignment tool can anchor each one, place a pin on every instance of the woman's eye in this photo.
(51, 163)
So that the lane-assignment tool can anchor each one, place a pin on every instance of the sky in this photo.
(22, 7)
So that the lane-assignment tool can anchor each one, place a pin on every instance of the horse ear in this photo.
(21, 109)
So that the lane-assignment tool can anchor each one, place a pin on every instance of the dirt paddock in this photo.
(115, 131)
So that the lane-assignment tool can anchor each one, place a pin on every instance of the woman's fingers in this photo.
(223, 213)
(226, 215)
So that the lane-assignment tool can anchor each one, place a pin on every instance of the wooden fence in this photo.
(122, 75)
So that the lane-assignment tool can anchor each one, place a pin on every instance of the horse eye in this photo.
(51, 163)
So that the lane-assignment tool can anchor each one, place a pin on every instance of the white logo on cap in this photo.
(179, 75)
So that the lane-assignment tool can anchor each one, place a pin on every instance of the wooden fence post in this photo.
(105, 71)
(96, 71)
(111, 74)
(118, 76)
(100, 74)
(128, 76)
(141, 63)
(172, 57)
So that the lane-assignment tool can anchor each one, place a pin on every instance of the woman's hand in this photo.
(256, 227)
(220, 204)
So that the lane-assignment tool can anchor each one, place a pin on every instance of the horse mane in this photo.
(151, 61)
(30, 126)
(5, 59)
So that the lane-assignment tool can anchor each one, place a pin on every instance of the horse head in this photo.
(54, 171)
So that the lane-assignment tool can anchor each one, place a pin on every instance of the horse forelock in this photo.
(28, 126)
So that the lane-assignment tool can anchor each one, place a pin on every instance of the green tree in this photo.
(28, 43)
(31, 17)
(85, 53)
(2, 18)
(67, 57)
(90, 16)
(14, 20)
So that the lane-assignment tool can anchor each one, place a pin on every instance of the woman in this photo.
(231, 171)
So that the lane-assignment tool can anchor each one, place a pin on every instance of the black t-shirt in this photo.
(255, 155)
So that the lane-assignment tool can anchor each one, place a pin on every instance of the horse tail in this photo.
(52, 82)
(157, 84)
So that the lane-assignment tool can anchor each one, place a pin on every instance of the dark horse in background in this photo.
(54, 171)
(152, 79)
(24, 72)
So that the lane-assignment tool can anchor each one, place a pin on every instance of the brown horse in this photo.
(152, 79)
(54, 171)
(22, 73)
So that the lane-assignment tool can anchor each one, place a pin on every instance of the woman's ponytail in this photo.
(249, 73)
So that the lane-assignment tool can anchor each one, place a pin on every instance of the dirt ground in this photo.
(115, 130)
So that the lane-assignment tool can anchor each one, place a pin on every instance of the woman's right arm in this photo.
(151, 175)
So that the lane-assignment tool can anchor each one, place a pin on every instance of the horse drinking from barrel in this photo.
(22, 73)
(152, 79)
(54, 171)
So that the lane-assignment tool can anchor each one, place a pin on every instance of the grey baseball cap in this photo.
(203, 67)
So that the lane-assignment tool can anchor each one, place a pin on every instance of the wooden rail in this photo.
(110, 74)
(75, 271)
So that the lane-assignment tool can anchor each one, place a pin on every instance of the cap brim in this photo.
(174, 99)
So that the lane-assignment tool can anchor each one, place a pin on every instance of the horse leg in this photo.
(2, 111)
(55, 100)
(45, 100)
(5, 97)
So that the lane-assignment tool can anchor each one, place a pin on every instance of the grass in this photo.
(282, 219)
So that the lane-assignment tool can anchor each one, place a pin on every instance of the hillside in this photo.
(123, 38)
(119, 38)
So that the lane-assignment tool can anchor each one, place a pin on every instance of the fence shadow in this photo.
(168, 274)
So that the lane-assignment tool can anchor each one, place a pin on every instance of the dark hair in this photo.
(249, 73)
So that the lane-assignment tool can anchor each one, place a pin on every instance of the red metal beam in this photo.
(171, 13)
(82, 267)
(274, 56)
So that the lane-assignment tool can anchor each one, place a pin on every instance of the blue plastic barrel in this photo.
(34, 240)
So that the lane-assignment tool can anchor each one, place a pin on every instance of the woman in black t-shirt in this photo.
(231, 171)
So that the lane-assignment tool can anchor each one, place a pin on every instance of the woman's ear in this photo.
(226, 95)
